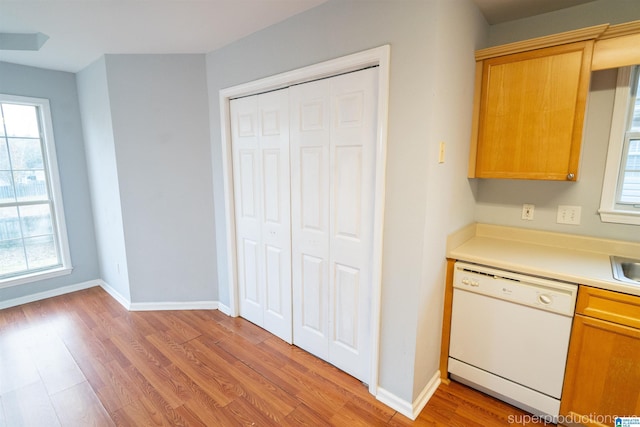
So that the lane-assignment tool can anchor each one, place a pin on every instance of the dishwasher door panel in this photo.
(519, 343)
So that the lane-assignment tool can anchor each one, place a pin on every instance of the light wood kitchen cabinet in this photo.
(530, 99)
(531, 113)
(602, 377)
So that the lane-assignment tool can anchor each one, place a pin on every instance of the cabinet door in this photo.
(603, 372)
(531, 113)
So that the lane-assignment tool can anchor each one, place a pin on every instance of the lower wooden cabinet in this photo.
(602, 378)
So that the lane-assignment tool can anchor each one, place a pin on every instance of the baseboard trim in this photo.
(49, 294)
(116, 295)
(140, 306)
(410, 409)
(425, 395)
(394, 402)
(158, 306)
(224, 309)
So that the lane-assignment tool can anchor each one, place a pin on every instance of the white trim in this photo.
(395, 403)
(167, 306)
(115, 295)
(224, 309)
(53, 178)
(425, 395)
(608, 211)
(379, 56)
(34, 277)
(157, 306)
(410, 410)
(49, 294)
(620, 217)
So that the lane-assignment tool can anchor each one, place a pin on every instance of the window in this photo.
(620, 201)
(33, 240)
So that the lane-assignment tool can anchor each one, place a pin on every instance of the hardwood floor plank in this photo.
(145, 361)
(245, 414)
(208, 326)
(108, 366)
(17, 368)
(245, 329)
(118, 388)
(270, 367)
(139, 414)
(29, 406)
(79, 406)
(253, 386)
(211, 379)
(10, 317)
(305, 416)
(178, 330)
(58, 370)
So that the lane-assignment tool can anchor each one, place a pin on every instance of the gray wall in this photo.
(93, 93)
(159, 111)
(460, 30)
(422, 203)
(60, 89)
(500, 201)
(572, 18)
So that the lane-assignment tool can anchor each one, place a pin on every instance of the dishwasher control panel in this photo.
(545, 294)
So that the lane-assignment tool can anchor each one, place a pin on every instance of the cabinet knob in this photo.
(570, 176)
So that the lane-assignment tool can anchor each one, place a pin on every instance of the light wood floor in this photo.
(81, 359)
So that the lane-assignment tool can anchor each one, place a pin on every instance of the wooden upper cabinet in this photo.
(530, 99)
(531, 113)
(618, 46)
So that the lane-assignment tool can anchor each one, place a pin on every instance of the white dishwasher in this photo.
(510, 335)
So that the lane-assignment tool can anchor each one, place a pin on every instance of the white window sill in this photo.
(620, 217)
(34, 277)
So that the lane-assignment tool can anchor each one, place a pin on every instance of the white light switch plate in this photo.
(569, 214)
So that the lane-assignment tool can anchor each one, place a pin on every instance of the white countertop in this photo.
(570, 258)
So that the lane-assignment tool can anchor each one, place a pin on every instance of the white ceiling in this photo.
(80, 31)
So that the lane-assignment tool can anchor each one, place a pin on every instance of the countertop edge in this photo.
(586, 260)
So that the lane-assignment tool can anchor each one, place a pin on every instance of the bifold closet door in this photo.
(260, 147)
(333, 140)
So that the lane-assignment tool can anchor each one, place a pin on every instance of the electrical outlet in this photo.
(569, 214)
(527, 212)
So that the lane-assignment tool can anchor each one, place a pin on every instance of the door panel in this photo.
(348, 176)
(312, 192)
(353, 138)
(312, 292)
(310, 131)
(347, 286)
(260, 149)
(333, 136)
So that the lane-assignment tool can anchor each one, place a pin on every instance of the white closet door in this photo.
(260, 147)
(333, 135)
(310, 212)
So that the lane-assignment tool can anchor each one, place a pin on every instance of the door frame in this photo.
(380, 57)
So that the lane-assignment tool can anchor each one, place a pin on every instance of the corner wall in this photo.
(93, 94)
(159, 110)
(60, 89)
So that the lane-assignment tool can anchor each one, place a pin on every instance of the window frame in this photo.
(611, 210)
(57, 208)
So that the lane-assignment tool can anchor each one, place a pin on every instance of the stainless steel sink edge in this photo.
(625, 269)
